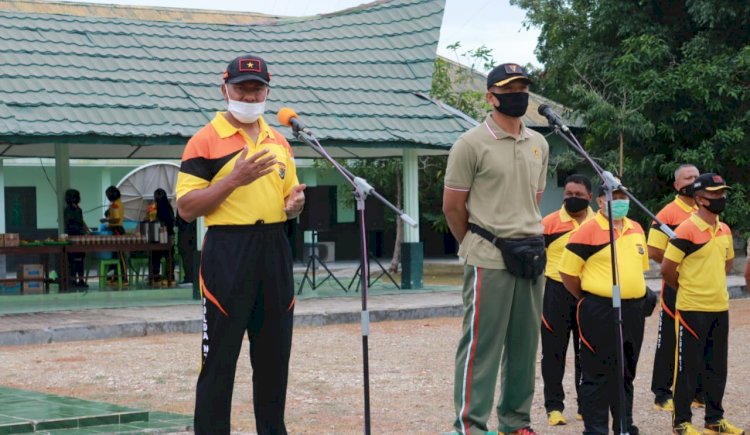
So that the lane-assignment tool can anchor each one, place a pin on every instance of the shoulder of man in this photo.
(199, 144)
(281, 140)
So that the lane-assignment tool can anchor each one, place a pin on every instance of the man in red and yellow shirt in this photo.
(558, 305)
(240, 174)
(696, 263)
(586, 271)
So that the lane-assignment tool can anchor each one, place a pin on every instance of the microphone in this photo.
(288, 117)
(552, 117)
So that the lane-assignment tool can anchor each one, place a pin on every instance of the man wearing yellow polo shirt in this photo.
(586, 271)
(240, 174)
(673, 214)
(696, 263)
(559, 306)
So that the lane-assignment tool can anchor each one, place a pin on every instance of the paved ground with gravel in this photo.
(411, 375)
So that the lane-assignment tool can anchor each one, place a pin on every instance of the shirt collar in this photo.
(683, 205)
(225, 129)
(498, 133)
(565, 217)
(703, 225)
(603, 222)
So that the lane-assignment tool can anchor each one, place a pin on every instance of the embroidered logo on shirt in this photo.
(640, 248)
(536, 151)
(282, 170)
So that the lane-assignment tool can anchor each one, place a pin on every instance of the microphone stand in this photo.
(361, 190)
(612, 184)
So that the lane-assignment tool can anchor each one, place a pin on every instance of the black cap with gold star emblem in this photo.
(247, 67)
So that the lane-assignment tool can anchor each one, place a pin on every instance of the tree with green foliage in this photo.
(658, 83)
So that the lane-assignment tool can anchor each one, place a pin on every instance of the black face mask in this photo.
(513, 104)
(716, 205)
(685, 190)
(574, 205)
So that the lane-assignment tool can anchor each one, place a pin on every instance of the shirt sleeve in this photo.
(657, 239)
(193, 173)
(571, 263)
(674, 251)
(730, 250)
(462, 165)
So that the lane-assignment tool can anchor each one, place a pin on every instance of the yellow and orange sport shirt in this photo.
(701, 251)
(672, 215)
(557, 228)
(587, 256)
(211, 154)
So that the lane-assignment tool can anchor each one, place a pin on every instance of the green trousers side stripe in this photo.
(500, 329)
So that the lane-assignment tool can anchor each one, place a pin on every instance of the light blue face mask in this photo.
(620, 208)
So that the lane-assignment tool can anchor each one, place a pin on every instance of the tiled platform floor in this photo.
(30, 412)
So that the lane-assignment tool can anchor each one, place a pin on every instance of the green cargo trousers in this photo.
(501, 322)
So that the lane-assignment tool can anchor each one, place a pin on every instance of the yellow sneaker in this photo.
(555, 418)
(686, 429)
(579, 417)
(722, 427)
(667, 405)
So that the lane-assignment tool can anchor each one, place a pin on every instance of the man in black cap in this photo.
(494, 180)
(696, 263)
(240, 174)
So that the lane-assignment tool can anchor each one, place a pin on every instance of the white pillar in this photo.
(411, 193)
(3, 270)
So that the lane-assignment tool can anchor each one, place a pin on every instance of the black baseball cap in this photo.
(710, 182)
(247, 67)
(505, 73)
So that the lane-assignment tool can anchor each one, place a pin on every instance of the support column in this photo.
(412, 251)
(62, 181)
(3, 268)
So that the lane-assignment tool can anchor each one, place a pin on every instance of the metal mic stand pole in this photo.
(361, 190)
(612, 184)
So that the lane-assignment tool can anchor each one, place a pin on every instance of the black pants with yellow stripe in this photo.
(247, 286)
(600, 379)
(558, 324)
(702, 352)
(662, 376)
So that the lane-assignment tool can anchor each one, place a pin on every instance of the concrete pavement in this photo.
(88, 324)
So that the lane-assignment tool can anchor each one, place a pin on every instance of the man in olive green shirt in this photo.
(494, 180)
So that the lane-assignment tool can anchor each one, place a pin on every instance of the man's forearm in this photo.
(458, 222)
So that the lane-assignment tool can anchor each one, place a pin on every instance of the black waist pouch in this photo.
(523, 257)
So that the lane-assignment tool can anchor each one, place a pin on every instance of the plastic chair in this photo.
(103, 264)
(139, 269)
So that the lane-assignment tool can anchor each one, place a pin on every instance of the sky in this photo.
(492, 23)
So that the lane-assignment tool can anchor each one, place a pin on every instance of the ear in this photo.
(492, 99)
(224, 91)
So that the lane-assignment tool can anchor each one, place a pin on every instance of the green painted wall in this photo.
(87, 179)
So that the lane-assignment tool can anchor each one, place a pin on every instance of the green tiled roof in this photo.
(353, 77)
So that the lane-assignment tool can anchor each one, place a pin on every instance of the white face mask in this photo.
(246, 113)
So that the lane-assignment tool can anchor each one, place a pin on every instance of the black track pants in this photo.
(558, 324)
(247, 286)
